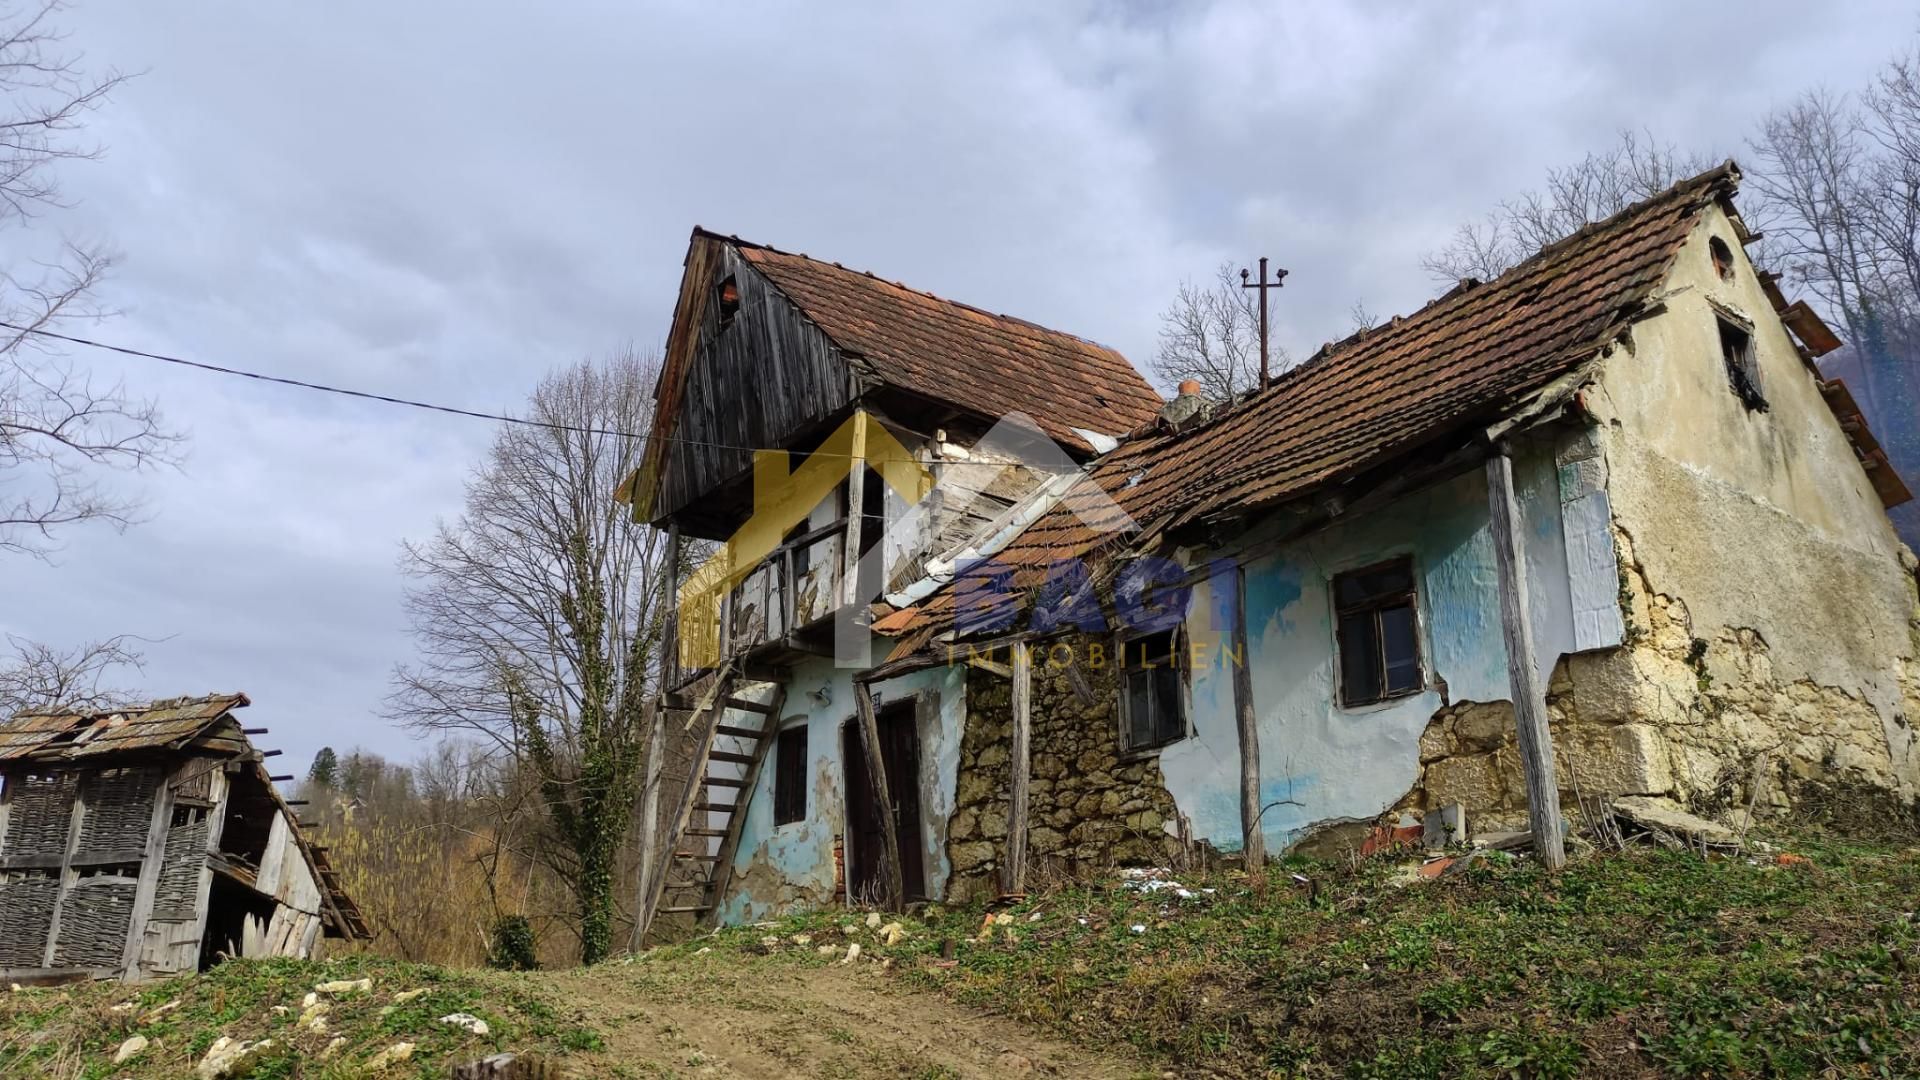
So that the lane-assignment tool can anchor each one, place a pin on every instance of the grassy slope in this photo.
(72, 1032)
(1650, 963)
(1644, 964)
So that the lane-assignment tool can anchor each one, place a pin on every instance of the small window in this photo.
(1379, 643)
(1153, 707)
(790, 776)
(1722, 258)
(728, 294)
(1743, 370)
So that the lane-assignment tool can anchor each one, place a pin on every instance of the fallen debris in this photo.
(229, 1057)
(468, 1021)
(345, 986)
(129, 1048)
(510, 1067)
(1664, 822)
(392, 1055)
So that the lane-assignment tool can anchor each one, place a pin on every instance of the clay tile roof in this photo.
(1468, 357)
(985, 363)
(70, 736)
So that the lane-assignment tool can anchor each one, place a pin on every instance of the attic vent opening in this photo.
(1743, 369)
(727, 295)
(1722, 258)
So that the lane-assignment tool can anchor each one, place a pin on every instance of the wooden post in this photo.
(877, 770)
(1253, 845)
(1523, 673)
(1022, 675)
(654, 715)
(856, 506)
(154, 855)
(670, 636)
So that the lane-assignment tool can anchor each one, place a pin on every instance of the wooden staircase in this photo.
(735, 733)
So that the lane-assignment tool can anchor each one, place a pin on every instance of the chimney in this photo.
(1187, 409)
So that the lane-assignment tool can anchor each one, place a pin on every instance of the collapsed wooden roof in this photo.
(67, 738)
(168, 724)
(1471, 357)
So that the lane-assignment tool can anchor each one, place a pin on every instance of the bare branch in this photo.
(58, 430)
(1211, 333)
(42, 677)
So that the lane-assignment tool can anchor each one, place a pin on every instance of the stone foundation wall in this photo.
(1089, 809)
(1693, 713)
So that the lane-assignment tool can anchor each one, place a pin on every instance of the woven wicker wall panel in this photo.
(94, 921)
(42, 810)
(177, 897)
(26, 915)
(119, 809)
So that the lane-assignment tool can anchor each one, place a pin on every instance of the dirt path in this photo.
(713, 1017)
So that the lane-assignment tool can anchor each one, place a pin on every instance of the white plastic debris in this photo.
(345, 986)
(1138, 928)
(466, 1020)
(405, 996)
(129, 1048)
(853, 953)
(229, 1057)
(392, 1055)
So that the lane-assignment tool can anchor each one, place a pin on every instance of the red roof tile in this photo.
(988, 364)
(1465, 358)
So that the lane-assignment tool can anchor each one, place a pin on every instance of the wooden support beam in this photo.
(253, 731)
(877, 771)
(1523, 672)
(670, 630)
(1253, 844)
(653, 716)
(1022, 675)
(856, 503)
(696, 782)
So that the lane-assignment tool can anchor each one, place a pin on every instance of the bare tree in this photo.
(538, 613)
(43, 677)
(57, 427)
(1211, 333)
(1592, 189)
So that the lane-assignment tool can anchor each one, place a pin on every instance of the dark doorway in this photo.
(866, 840)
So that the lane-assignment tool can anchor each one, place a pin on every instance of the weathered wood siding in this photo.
(765, 377)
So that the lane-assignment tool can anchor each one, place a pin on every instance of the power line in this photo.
(364, 394)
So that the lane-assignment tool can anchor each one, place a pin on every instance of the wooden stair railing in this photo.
(695, 868)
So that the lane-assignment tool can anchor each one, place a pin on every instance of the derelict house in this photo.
(149, 840)
(876, 389)
(1595, 529)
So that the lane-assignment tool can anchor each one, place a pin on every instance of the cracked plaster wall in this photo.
(1770, 604)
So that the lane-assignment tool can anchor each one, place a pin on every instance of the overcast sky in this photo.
(446, 200)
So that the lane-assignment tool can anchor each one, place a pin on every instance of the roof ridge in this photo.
(1470, 288)
(904, 287)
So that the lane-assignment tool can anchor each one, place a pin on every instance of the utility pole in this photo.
(1279, 279)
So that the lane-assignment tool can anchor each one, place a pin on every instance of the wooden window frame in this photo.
(789, 806)
(1374, 604)
(1124, 712)
(1743, 371)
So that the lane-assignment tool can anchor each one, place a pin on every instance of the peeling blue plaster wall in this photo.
(800, 854)
(1319, 761)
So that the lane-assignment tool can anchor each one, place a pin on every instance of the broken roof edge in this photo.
(236, 700)
(739, 242)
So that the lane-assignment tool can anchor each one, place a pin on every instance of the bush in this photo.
(512, 948)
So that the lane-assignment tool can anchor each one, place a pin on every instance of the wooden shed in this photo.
(147, 841)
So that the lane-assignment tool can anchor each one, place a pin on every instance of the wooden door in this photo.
(866, 840)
